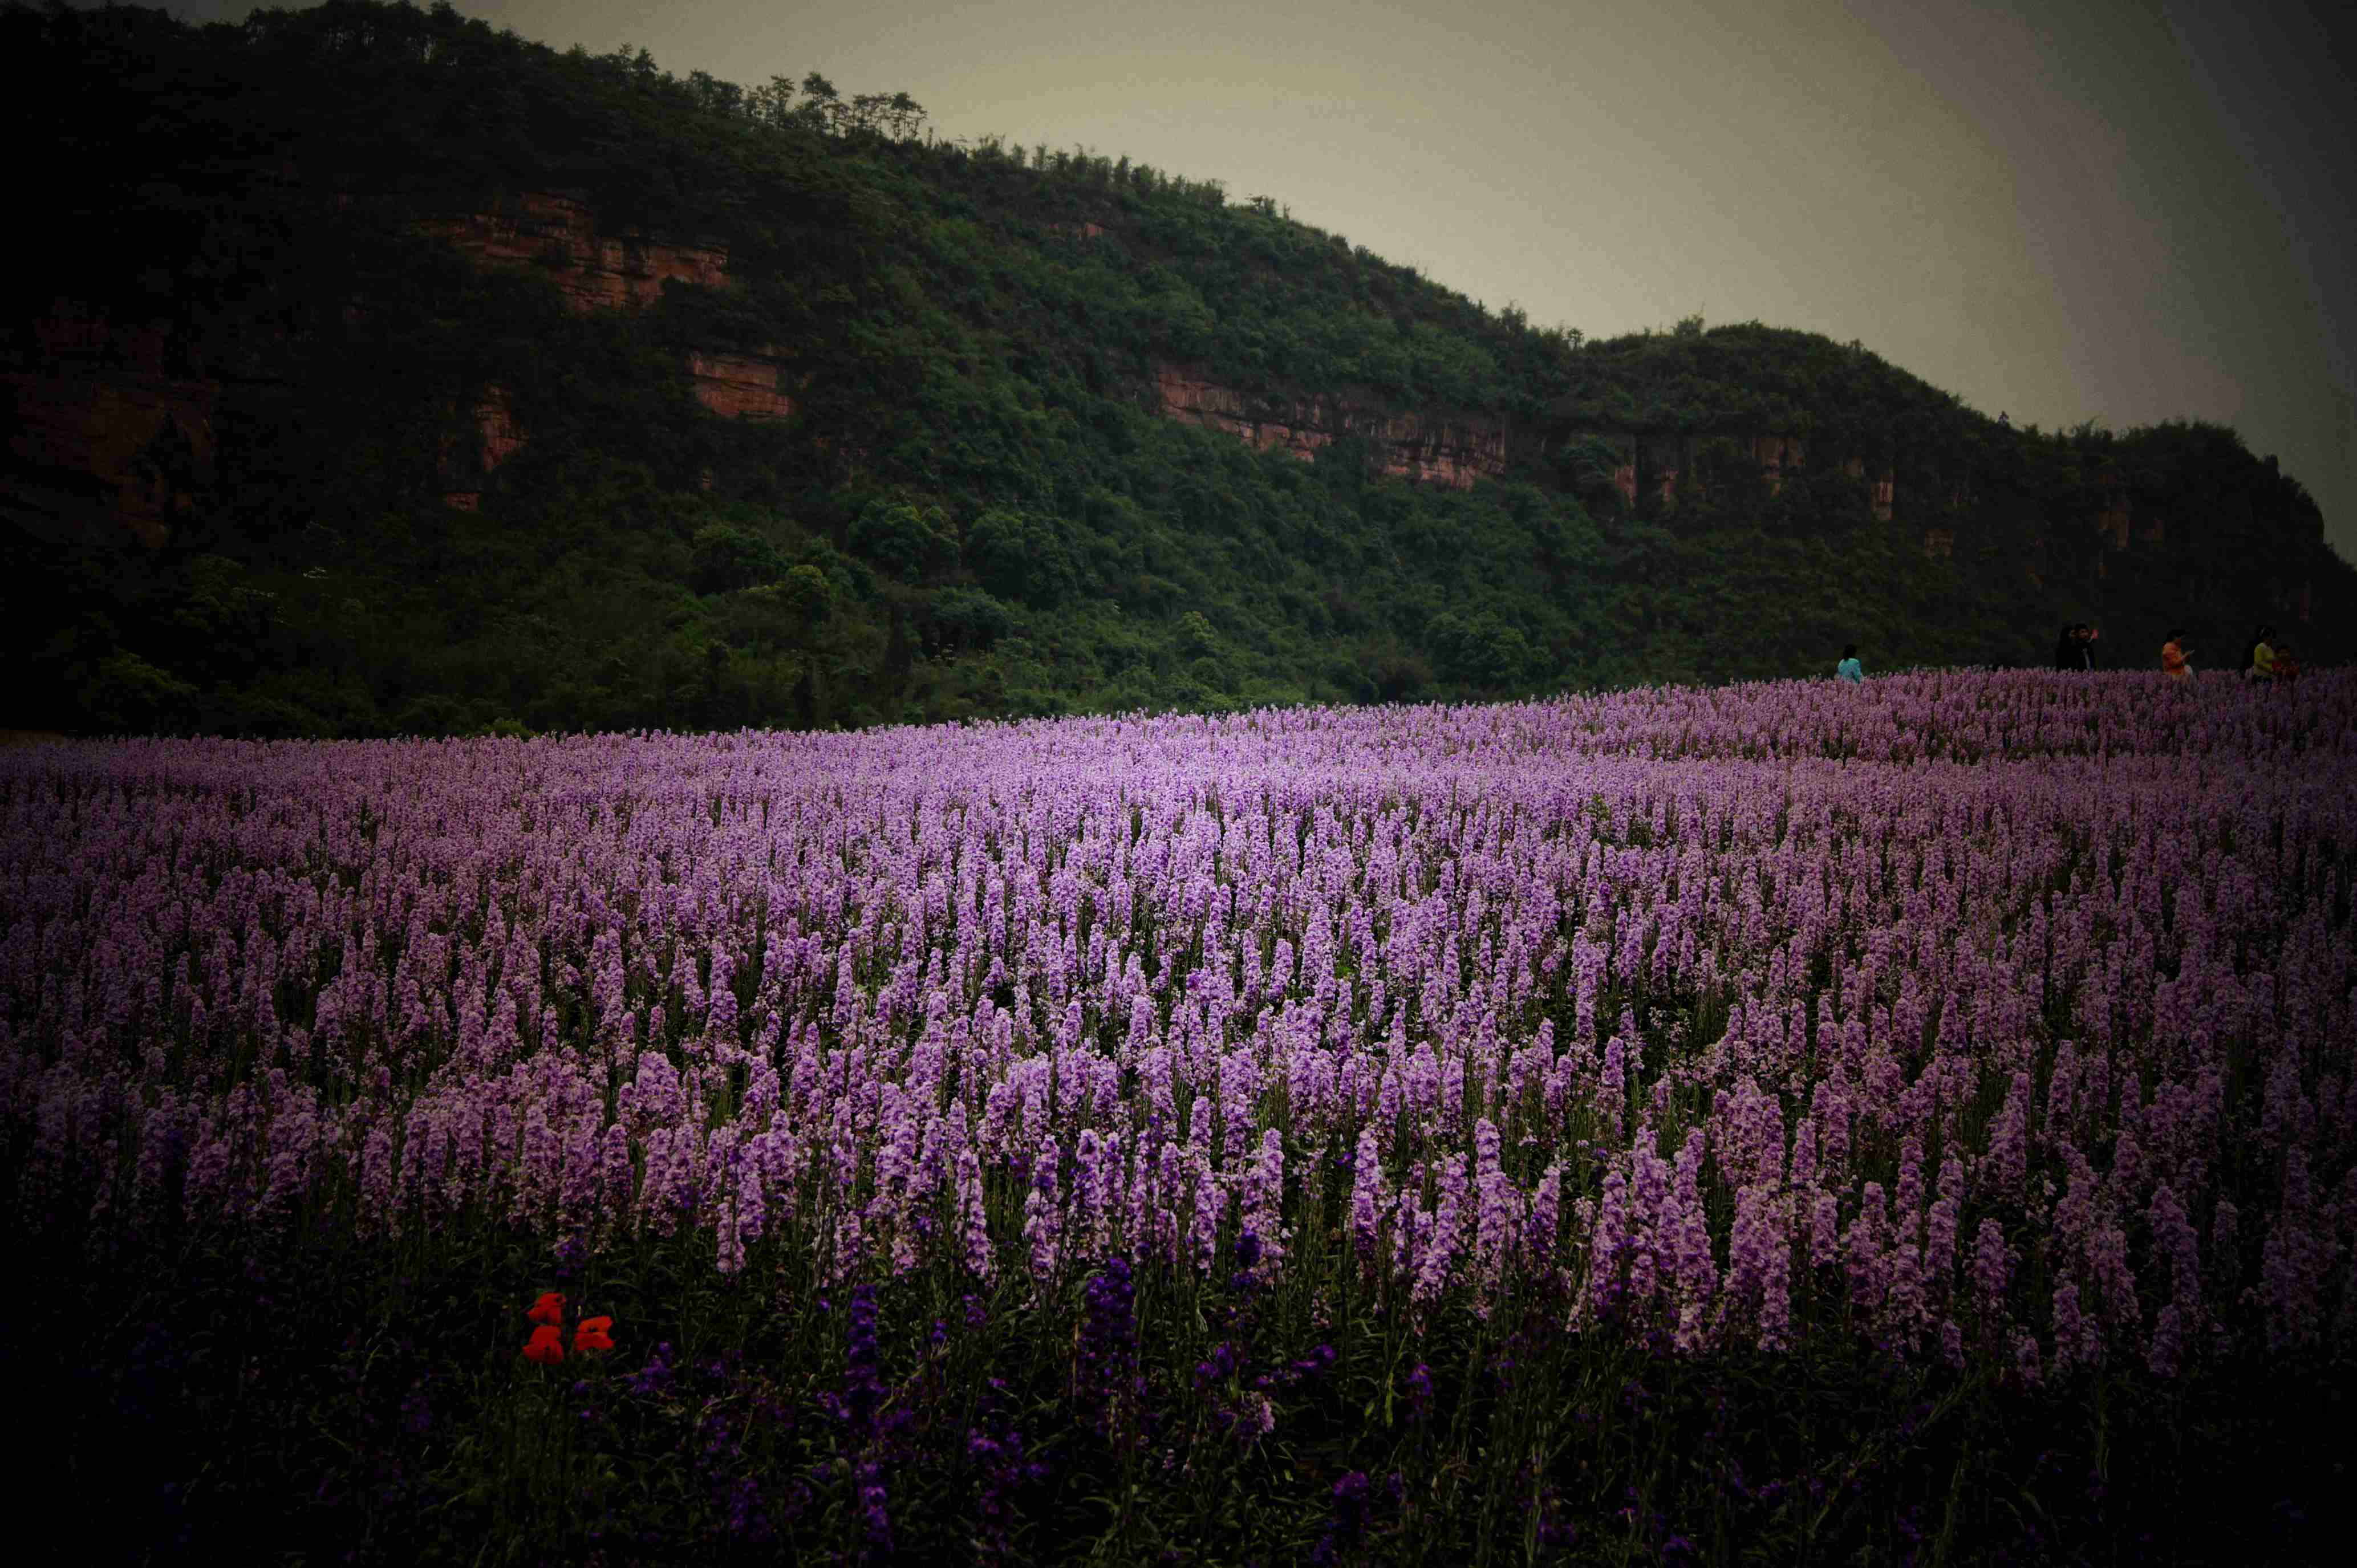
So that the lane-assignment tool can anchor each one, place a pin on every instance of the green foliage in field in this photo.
(975, 509)
(307, 1396)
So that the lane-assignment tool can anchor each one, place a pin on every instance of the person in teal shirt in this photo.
(1849, 669)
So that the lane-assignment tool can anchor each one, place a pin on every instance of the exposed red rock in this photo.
(496, 426)
(1661, 462)
(1451, 451)
(1884, 488)
(594, 271)
(67, 333)
(2113, 521)
(497, 437)
(104, 442)
(741, 386)
(1776, 455)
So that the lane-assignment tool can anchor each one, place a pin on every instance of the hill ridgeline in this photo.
(379, 372)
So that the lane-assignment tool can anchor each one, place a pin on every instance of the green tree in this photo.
(728, 557)
(1022, 557)
(1481, 650)
(910, 542)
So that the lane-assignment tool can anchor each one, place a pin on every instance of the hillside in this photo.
(374, 371)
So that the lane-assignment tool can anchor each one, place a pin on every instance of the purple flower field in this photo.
(1907, 1122)
(1997, 1020)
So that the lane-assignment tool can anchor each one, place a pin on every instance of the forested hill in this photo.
(370, 370)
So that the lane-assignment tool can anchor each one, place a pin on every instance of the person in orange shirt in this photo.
(2173, 661)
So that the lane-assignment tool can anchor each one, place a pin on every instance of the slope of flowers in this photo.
(1990, 1017)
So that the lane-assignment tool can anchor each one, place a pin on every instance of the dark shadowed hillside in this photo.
(371, 371)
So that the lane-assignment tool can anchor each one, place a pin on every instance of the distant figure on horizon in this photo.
(1849, 669)
(2263, 657)
(2175, 660)
(2075, 649)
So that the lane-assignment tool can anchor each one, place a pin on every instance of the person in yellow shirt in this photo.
(2262, 656)
(2174, 662)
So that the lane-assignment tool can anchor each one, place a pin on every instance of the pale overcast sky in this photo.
(2127, 211)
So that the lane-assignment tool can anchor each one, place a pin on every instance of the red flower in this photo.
(592, 1335)
(546, 1346)
(549, 1309)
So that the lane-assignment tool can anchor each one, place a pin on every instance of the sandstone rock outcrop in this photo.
(496, 426)
(741, 386)
(1776, 455)
(104, 442)
(594, 271)
(1657, 462)
(497, 437)
(1452, 451)
(2113, 522)
(1884, 488)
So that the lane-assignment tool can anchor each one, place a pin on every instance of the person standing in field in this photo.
(2067, 652)
(1849, 669)
(2175, 661)
(2263, 657)
(2087, 635)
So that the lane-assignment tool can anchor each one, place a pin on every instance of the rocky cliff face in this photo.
(594, 271)
(104, 442)
(1885, 488)
(741, 386)
(2114, 520)
(1776, 456)
(1657, 464)
(497, 437)
(1452, 451)
(496, 426)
